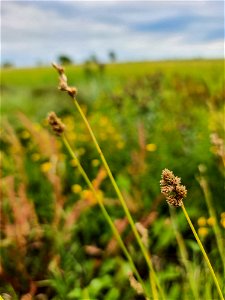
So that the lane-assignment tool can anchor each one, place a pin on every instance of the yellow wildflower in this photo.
(73, 162)
(76, 188)
(151, 147)
(222, 215)
(45, 167)
(95, 162)
(25, 134)
(203, 231)
(37, 127)
(35, 156)
(222, 222)
(103, 121)
(202, 221)
(120, 145)
(81, 151)
(72, 136)
(211, 221)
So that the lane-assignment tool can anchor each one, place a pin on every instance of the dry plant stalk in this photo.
(135, 284)
(72, 91)
(63, 86)
(175, 192)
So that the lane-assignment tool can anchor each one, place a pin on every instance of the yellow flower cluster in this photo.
(222, 220)
(204, 224)
(46, 167)
(151, 147)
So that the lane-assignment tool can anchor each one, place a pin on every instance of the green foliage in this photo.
(146, 116)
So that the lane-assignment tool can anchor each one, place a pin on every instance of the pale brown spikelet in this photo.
(63, 86)
(57, 126)
(135, 284)
(143, 232)
(172, 189)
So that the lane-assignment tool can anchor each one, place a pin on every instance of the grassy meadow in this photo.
(146, 116)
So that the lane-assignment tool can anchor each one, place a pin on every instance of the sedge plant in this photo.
(72, 92)
(174, 192)
(212, 213)
(58, 128)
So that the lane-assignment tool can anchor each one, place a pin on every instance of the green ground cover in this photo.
(147, 116)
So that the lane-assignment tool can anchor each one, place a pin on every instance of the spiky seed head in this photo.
(57, 126)
(172, 189)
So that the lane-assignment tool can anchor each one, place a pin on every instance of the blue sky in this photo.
(39, 31)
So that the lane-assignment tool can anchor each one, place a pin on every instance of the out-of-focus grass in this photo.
(146, 116)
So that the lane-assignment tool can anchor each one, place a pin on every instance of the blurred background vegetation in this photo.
(147, 116)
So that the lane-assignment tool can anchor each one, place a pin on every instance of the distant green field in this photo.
(32, 90)
(44, 76)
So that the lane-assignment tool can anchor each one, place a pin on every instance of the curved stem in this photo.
(203, 252)
(121, 199)
(105, 213)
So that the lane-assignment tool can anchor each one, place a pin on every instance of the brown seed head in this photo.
(63, 86)
(172, 189)
(57, 126)
(60, 69)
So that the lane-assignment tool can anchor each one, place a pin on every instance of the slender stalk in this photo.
(184, 256)
(105, 213)
(121, 199)
(208, 199)
(203, 252)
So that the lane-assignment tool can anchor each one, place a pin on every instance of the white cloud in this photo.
(33, 30)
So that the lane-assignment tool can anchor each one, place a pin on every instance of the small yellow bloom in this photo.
(95, 162)
(151, 147)
(62, 156)
(81, 151)
(72, 136)
(222, 215)
(103, 121)
(76, 188)
(25, 134)
(120, 145)
(110, 130)
(45, 167)
(211, 221)
(69, 122)
(203, 231)
(86, 194)
(35, 156)
(37, 127)
(202, 221)
(73, 162)
(222, 222)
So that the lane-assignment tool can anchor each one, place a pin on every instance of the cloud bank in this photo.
(35, 31)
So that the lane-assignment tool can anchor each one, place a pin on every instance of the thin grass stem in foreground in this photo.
(184, 256)
(105, 213)
(203, 252)
(208, 199)
(175, 192)
(72, 92)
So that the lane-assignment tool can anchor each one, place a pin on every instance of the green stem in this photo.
(105, 213)
(208, 198)
(184, 256)
(121, 199)
(203, 252)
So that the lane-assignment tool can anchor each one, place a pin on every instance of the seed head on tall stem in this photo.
(174, 193)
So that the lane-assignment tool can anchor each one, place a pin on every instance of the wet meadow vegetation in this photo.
(83, 204)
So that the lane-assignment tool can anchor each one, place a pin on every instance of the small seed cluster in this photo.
(63, 86)
(57, 126)
(172, 189)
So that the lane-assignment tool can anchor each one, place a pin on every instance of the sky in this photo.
(39, 31)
